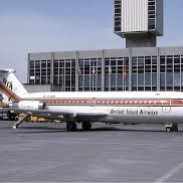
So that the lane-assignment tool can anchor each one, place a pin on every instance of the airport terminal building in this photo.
(141, 66)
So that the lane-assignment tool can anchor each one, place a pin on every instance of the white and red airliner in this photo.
(91, 107)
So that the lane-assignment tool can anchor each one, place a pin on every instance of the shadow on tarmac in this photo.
(51, 129)
(99, 129)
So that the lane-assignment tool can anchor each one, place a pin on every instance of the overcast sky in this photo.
(58, 25)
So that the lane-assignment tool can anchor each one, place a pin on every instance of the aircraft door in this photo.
(166, 106)
(93, 102)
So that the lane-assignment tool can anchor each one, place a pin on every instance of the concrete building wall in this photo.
(134, 15)
(37, 88)
(65, 55)
(160, 17)
(40, 56)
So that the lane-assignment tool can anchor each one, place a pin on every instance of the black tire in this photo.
(71, 126)
(86, 126)
(168, 129)
(9, 116)
(175, 128)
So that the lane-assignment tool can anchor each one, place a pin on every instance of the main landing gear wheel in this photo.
(172, 128)
(86, 126)
(168, 129)
(71, 126)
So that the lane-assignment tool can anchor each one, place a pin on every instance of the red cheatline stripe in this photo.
(110, 102)
(9, 93)
(177, 102)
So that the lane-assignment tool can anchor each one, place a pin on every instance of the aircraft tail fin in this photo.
(11, 86)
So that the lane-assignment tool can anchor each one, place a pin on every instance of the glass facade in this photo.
(116, 74)
(90, 74)
(144, 73)
(64, 75)
(171, 72)
(104, 73)
(40, 72)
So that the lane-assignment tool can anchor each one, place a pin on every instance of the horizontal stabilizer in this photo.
(6, 70)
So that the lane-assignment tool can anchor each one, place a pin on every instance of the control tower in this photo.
(138, 21)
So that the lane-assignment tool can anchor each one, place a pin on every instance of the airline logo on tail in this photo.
(7, 83)
(7, 88)
(11, 86)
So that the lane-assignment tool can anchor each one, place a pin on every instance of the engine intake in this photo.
(31, 105)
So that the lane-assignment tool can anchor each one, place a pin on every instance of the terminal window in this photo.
(144, 73)
(116, 74)
(89, 73)
(40, 72)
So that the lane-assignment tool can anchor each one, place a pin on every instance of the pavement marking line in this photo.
(170, 173)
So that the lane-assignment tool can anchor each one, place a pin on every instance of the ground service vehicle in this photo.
(6, 114)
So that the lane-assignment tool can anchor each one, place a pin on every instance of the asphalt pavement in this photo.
(48, 153)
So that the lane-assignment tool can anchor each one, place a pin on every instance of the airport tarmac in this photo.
(46, 152)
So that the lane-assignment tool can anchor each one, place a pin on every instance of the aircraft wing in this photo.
(60, 114)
